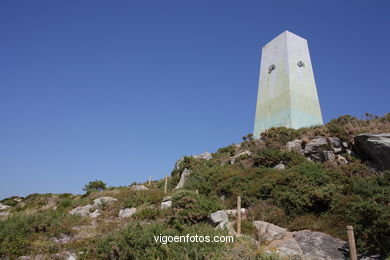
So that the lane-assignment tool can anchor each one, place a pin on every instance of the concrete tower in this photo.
(287, 94)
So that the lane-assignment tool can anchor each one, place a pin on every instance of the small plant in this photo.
(228, 149)
(94, 186)
(190, 207)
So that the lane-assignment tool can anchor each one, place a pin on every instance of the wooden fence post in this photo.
(351, 242)
(238, 214)
(166, 184)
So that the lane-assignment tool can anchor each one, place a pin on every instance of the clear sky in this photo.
(119, 90)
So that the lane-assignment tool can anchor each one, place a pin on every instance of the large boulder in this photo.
(95, 214)
(204, 156)
(103, 200)
(178, 162)
(268, 231)
(220, 218)
(280, 166)
(336, 144)
(183, 177)
(166, 204)
(316, 145)
(233, 212)
(82, 211)
(323, 149)
(65, 255)
(4, 215)
(287, 246)
(139, 187)
(374, 148)
(241, 154)
(295, 146)
(317, 245)
(3, 207)
(62, 239)
(126, 213)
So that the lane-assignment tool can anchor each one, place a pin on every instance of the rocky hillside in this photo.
(299, 190)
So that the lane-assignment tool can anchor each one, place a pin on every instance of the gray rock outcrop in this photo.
(82, 211)
(295, 146)
(317, 245)
(220, 218)
(280, 166)
(139, 187)
(183, 177)
(323, 149)
(204, 156)
(374, 148)
(126, 213)
(166, 204)
(65, 255)
(4, 215)
(91, 210)
(316, 145)
(62, 238)
(95, 214)
(235, 157)
(304, 244)
(268, 231)
(336, 144)
(103, 200)
(3, 207)
(233, 212)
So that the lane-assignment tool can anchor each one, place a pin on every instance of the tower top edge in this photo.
(286, 34)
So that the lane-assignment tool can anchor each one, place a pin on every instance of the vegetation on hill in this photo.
(305, 195)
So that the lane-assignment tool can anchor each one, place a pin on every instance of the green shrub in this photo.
(189, 207)
(277, 137)
(94, 186)
(371, 222)
(138, 242)
(143, 197)
(270, 157)
(29, 234)
(228, 149)
(149, 213)
(9, 201)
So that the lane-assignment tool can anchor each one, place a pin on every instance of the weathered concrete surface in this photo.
(375, 148)
(287, 94)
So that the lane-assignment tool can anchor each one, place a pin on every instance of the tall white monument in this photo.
(287, 94)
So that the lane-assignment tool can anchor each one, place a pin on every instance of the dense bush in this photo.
(138, 242)
(270, 157)
(143, 197)
(307, 195)
(190, 207)
(228, 150)
(94, 186)
(23, 234)
(277, 137)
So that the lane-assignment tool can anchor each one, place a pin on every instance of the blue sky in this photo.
(119, 90)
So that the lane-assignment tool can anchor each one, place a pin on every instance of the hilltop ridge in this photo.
(319, 179)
